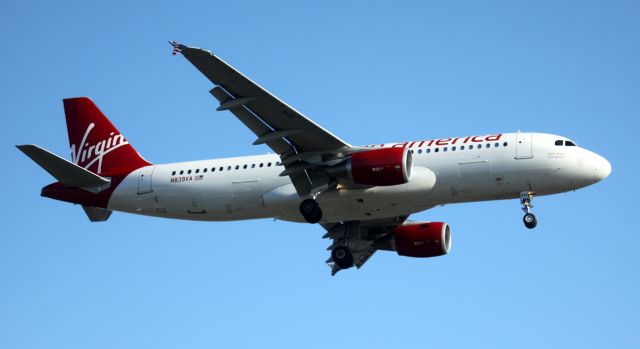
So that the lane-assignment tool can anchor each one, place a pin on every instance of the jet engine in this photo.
(419, 239)
(377, 167)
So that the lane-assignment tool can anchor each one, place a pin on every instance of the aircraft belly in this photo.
(357, 204)
(283, 203)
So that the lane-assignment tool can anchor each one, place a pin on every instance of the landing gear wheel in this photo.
(308, 207)
(311, 211)
(314, 218)
(342, 257)
(530, 220)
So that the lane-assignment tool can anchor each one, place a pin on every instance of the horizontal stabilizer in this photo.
(97, 214)
(66, 172)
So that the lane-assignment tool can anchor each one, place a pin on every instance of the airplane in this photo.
(361, 195)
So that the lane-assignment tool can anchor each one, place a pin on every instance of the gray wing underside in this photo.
(360, 237)
(285, 130)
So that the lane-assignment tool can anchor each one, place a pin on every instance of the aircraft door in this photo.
(144, 179)
(524, 146)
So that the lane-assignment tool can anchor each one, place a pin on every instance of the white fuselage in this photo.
(443, 172)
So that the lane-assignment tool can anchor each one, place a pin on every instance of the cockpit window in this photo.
(559, 142)
(569, 144)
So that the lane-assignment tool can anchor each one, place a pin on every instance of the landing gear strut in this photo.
(529, 219)
(342, 256)
(311, 211)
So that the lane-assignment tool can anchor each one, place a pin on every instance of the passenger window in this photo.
(437, 150)
(559, 142)
(505, 144)
(269, 164)
(253, 165)
(488, 145)
(462, 147)
(471, 147)
(569, 144)
(181, 171)
(237, 167)
(261, 164)
(228, 168)
(244, 167)
(496, 145)
(419, 151)
(453, 148)
(189, 172)
(428, 150)
(205, 170)
(444, 149)
(173, 173)
(198, 170)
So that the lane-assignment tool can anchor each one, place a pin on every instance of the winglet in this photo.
(177, 47)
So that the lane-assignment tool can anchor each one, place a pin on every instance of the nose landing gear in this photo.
(529, 219)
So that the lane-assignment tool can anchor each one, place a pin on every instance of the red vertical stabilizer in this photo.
(96, 144)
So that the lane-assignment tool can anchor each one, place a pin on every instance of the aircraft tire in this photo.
(342, 257)
(314, 218)
(530, 220)
(311, 211)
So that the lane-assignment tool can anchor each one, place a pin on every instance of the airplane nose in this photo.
(602, 168)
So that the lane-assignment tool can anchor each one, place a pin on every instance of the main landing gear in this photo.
(311, 211)
(529, 219)
(342, 257)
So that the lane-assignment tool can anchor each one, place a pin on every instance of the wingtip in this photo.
(26, 149)
(177, 47)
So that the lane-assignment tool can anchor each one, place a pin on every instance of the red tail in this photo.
(95, 143)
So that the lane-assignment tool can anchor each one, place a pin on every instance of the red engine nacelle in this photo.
(423, 239)
(385, 166)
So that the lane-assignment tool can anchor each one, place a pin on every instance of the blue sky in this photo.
(370, 73)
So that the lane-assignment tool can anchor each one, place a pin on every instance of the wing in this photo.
(298, 140)
(362, 238)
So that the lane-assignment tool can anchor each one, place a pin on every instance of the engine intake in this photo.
(422, 239)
